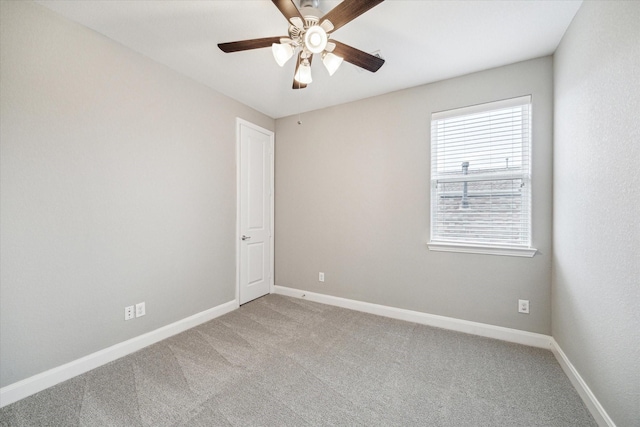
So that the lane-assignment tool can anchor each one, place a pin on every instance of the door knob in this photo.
(245, 237)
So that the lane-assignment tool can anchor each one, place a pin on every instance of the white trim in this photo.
(238, 220)
(27, 387)
(589, 399)
(479, 249)
(271, 134)
(450, 127)
(272, 196)
(479, 108)
(481, 329)
(475, 328)
(21, 389)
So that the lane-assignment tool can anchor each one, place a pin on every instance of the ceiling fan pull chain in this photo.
(299, 94)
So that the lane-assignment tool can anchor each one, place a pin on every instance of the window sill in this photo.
(479, 249)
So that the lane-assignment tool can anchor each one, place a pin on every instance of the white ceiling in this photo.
(421, 41)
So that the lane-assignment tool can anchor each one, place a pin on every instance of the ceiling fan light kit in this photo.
(331, 62)
(303, 75)
(315, 39)
(310, 33)
(282, 52)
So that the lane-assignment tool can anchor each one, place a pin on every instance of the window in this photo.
(481, 178)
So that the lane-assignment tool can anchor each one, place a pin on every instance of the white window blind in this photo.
(481, 174)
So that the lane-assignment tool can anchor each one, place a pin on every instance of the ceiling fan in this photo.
(310, 33)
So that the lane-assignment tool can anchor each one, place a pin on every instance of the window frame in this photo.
(444, 245)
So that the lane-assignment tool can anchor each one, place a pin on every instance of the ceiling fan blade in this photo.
(357, 57)
(289, 10)
(297, 84)
(347, 11)
(249, 44)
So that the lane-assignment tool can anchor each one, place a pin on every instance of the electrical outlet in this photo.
(321, 277)
(140, 309)
(129, 313)
(523, 306)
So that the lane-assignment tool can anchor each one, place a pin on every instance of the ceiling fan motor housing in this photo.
(297, 34)
(309, 3)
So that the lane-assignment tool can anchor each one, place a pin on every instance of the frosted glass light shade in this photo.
(315, 39)
(282, 52)
(331, 62)
(303, 75)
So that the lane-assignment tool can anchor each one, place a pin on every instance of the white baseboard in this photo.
(475, 328)
(589, 399)
(44, 380)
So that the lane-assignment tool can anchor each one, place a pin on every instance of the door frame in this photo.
(241, 122)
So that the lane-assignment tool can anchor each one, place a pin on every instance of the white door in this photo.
(255, 269)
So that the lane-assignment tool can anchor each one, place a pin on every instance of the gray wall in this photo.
(596, 214)
(352, 200)
(117, 186)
